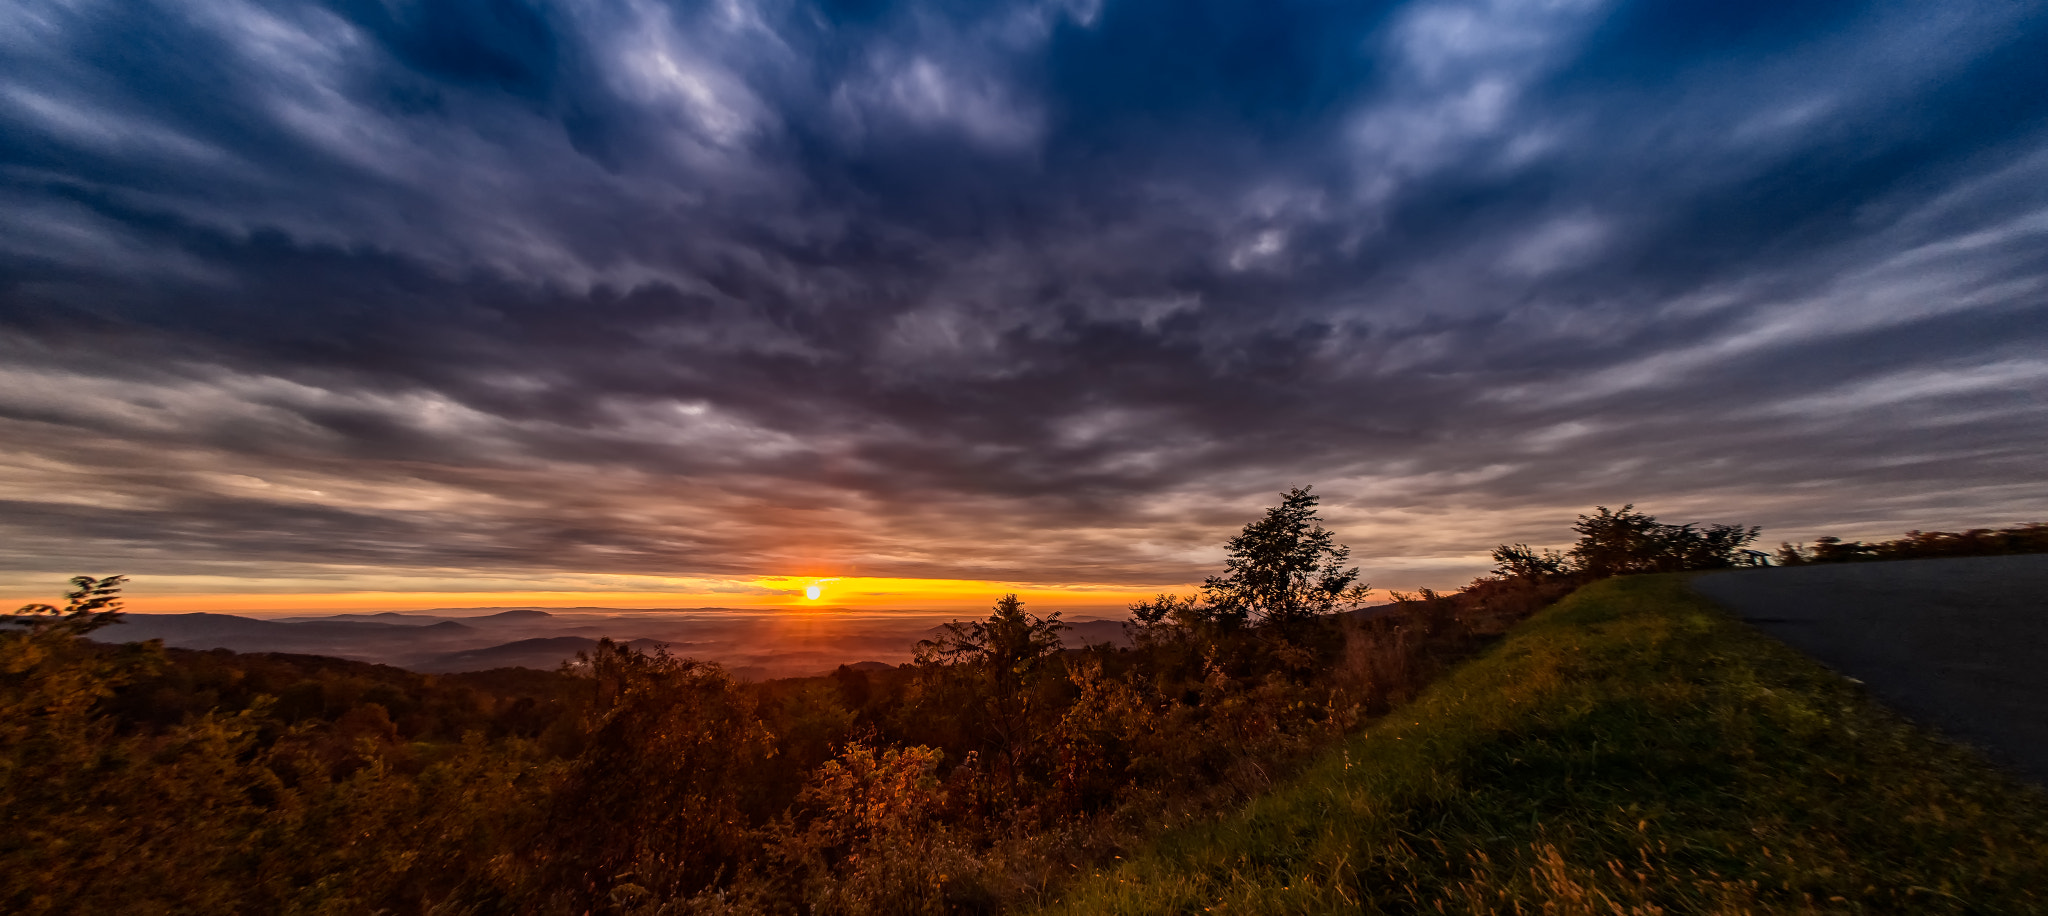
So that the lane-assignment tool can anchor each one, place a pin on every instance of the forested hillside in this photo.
(985, 775)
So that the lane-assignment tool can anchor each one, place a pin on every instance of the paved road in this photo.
(1960, 645)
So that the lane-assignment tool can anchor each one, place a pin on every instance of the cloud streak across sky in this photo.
(407, 295)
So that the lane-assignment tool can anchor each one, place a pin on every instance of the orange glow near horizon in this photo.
(796, 593)
(881, 592)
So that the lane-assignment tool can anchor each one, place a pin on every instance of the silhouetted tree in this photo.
(1281, 569)
(1520, 561)
(1615, 543)
(1707, 547)
(1611, 543)
(1011, 643)
(91, 604)
(994, 666)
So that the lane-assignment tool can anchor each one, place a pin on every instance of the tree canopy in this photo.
(1614, 543)
(91, 604)
(1281, 569)
(1010, 642)
(1619, 542)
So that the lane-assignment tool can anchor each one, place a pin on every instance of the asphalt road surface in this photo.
(1960, 645)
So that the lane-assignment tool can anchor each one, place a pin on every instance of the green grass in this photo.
(1629, 750)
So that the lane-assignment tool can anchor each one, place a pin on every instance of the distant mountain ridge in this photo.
(543, 652)
(175, 627)
(420, 618)
(749, 643)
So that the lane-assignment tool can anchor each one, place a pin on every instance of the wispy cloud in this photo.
(1031, 292)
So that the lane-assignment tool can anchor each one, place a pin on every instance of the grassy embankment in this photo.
(1629, 750)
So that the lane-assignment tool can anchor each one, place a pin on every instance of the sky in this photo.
(374, 303)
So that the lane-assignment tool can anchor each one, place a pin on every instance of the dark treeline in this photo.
(1614, 543)
(143, 780)
(1920, 545)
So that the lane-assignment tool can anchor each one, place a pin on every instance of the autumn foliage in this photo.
(981, 777)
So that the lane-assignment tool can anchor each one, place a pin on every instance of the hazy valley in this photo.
(750, 643)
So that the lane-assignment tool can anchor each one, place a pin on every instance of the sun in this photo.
(817, 588)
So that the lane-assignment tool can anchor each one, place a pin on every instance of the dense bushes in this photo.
(1916, 545)
(1615, 543)
(230, 809)
(983, 775)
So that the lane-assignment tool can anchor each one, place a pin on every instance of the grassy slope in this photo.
(1629, 750)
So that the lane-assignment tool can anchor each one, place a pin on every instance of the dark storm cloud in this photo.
(1058, 290)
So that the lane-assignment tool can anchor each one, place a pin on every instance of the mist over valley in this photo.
(751, 643)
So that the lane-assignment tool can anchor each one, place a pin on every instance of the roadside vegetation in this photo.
(1630, 751)
(989, 775)
(1921, 545)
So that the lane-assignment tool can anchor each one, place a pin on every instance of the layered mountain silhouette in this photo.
(751, 644)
